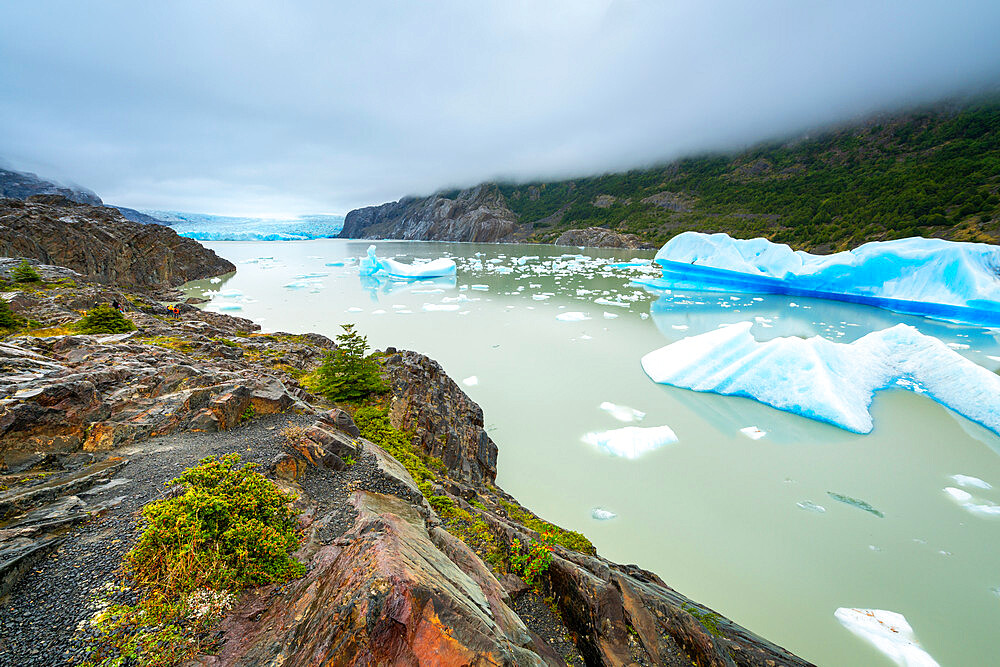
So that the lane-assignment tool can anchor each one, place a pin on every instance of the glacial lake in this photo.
(716, 514)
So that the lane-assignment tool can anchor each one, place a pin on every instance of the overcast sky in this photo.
(270, 108)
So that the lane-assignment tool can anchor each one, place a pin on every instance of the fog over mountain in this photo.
(263, 108)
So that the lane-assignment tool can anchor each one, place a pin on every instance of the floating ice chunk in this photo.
(832, 382)
(524, 260)
(643, 316)
(540, 297)
(296, 284)
(442, 307)
(609, 302)
(610, 316)
(971, 504)
(622, 413)
(854, 502)
(480, 288)
(471, 381)
(932, 277)
(753, 432)
(228, 306)
(602, 515)
(811, 507)
(306, 276)
(631, 442)
(679, 327)
(231, 293)
(355, 309)
(572, 316)
(974, 482)
(372, 264)
(378, 312)
(335, 263)
(992, 358)
(888, 632)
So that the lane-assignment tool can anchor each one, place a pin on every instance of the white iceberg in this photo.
(969, 481)
(631, 442)
(971, 504)
(831, 382)
(931, 277)
(441, 307)
(471, 381)
(753, 432)
(572, 316)
(622, 413)
(602, 515)
(436, 268)
(889, 632)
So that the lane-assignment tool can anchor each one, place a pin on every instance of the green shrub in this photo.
(532, 562)
(231, 528)
(25, 273)
(347, 373)
(104, 319)
(8, 320)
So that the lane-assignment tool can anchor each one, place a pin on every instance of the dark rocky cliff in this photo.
(477, 214)
(21, 185)
(101, 244)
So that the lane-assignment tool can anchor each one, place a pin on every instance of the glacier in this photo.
(371, 264)
(929, 277)
(827, 381)
(204, 227)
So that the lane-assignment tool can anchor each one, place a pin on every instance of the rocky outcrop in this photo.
(445, 422)
(21, 185)
(599, 237)
(478, 214)
(101, 244)
(392, 577)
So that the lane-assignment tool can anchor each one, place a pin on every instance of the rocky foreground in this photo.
(92, 426)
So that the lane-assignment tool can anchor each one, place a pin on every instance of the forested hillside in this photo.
(930, 172)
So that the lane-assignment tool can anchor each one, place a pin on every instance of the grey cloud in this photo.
(267, 107)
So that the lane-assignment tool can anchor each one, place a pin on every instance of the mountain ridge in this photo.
(931, 171)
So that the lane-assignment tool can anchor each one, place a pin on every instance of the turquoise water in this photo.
(715, 514)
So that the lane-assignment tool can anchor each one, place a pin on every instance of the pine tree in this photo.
(25, 273)
(104, 319)
(8, 320)
(348, 373)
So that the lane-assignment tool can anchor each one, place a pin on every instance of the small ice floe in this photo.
(631, 442)
(608, 302)
(888, 632)
(471, 381)
(854, 502)
(602, 515)
(435, 290)
(380, 311)
(610, 316)
(404, 311)
(572, 316)
(355, 309)
(644, 316)
(540, 297)
(957, 346)
(679, 327)
(811, 507)
(296, 284)
(622, 413)
(228, 306)
(442, 307)
(307, 276)
(334, 264)
(480, 288)
(215, 281)
(971, 482)
(992, 358)
(231, 293)
(753, 432)
(971, 504)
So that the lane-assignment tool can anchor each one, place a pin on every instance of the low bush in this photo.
(25, 273)
(231, 528)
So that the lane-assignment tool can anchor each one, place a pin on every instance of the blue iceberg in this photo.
(929, 277)
(437, 268)
(831, 382)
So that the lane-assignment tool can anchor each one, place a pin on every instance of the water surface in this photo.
(725, 519)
